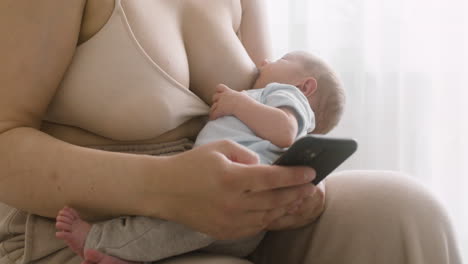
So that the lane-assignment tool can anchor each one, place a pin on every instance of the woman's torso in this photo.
(144, 71)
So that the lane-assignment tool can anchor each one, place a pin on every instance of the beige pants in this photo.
(370, 217)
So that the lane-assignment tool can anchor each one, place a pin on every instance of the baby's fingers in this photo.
(221, 87)
(214, 112)
(216, 97)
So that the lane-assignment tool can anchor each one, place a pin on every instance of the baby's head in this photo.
(316, 80)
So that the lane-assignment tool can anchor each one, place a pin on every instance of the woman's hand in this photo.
(219, 189)
(304, 213)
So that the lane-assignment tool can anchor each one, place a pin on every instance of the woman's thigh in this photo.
(370, 217)
(64, 256)
(203, 258)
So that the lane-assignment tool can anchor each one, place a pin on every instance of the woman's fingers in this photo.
(261, 178)
(284, 197)
(275, 219)
(287, 221)
(213, 110)
(261, 220)
(306, 212)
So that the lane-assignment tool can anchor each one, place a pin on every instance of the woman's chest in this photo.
(160, 27)
(130, 79)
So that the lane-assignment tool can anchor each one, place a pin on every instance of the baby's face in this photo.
(287, 69)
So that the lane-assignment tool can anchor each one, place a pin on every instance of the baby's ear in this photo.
(308, 86)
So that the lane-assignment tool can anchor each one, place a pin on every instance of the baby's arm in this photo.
(278, 125)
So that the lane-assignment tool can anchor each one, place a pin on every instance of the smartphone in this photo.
(322, 153)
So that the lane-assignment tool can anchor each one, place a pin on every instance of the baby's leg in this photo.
(74, 231)
(140, 238)
(143, 239)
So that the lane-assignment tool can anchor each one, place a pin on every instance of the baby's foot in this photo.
(95, 257)
(72, 229)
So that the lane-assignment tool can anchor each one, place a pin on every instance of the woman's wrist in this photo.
(155, 187)
(131, 186)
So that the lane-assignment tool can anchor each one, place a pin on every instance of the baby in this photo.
(293, 96)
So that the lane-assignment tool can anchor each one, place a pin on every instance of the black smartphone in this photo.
(322, 153)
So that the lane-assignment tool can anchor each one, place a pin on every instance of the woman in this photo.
(137, 76)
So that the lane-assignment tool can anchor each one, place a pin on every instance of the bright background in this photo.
(404, 64)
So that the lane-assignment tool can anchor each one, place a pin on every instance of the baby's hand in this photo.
(226, 102)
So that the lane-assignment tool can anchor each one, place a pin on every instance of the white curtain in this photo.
(404, 64)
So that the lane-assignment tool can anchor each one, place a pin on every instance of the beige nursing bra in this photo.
(114, 89)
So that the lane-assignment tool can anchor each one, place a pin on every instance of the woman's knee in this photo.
(381, 192)
(387, 210)
(370, 217)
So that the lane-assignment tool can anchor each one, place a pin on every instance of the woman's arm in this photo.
(254, 32)
(39, 173)
(277, 125)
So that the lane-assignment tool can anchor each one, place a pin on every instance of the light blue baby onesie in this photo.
(275, 95)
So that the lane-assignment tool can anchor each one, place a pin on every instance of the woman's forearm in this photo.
(41, 174)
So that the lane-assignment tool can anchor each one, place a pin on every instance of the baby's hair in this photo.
(330, 94)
